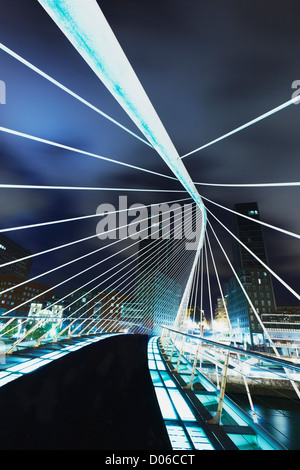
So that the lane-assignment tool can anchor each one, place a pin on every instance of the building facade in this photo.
(283, 327)
(157, 292)
(255, 279)
(18, 299)
(11, 251)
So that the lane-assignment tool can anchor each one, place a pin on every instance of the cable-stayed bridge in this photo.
(155, 279)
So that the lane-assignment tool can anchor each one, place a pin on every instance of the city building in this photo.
(156, 290)
(11, 251)
(283, 327)
(132, 316)
(255, 279)
(108, 308)
(24, 294)
(47, 312)
(195, 321)
(221, 323)
(104, 306)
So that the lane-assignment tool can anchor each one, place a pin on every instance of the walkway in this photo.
(99, 397)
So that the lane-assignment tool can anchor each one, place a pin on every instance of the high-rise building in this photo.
(18, 298)
(11, 251)
(15, 266)
(221, 323)
(104, 305)
(156, 290)
(132, 317)
(256, 280)
(108, 307)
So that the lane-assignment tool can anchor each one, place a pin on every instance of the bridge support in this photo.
(217, 418)
(173, 347)
(180, 354)
(190, 384)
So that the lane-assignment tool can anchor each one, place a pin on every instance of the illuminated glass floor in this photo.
(236, 429)
(181, 424)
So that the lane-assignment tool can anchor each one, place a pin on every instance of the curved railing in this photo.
(222, 376)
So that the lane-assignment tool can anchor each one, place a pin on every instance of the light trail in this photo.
(73, 219)
(67, 90)
(86, 188)
(287, 232)
(8, 263)
(257, 258)
(251, 185)
(248, 124)
(82, 152)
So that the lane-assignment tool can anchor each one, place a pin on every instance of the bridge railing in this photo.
(249, 378)
(34, 331)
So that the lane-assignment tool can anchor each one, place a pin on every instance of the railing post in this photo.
(10, 350)
(180, 354)
(174, 340)
(6, 324)
(40, 339)
(75, 329)
(61, 332)
(190, 384)
(162, 336)
(216, 419)
(96, 326)
(166, 338)
(166, 345)
(250, 400)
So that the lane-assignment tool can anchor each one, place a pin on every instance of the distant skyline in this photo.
(208, 67)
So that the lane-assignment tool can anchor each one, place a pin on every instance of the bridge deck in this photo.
(99, 397)
(114, 392)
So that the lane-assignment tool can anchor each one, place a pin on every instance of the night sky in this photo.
(207, 67)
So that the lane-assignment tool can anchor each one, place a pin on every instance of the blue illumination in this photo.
(9, 378)
(26, 366)
(178, 437)
(198, 437)
(182, 408)
(183, 430)
(165, 404)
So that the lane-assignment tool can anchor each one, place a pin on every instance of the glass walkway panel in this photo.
(182, 426)
(235, 431)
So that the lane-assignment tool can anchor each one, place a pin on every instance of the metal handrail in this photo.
(258, 355)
